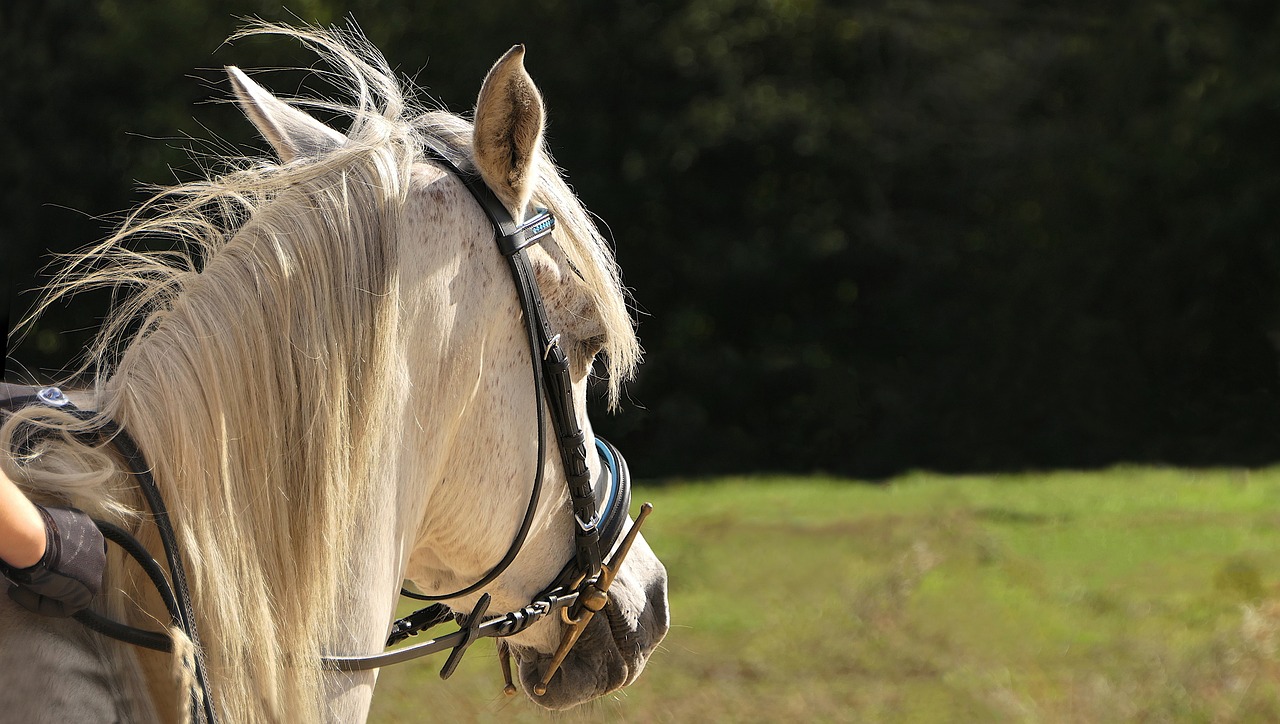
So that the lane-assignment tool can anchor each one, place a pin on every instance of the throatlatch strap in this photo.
(551, 371)
(524, 282)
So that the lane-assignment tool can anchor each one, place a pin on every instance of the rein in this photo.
(177, 598)
(577, 593)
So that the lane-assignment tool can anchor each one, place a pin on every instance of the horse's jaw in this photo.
(613, 648)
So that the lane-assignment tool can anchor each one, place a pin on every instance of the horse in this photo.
(329, 381)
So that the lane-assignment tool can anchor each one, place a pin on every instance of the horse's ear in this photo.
(290, 132)
(507, 139)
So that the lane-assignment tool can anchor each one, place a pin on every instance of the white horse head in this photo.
(336, 395)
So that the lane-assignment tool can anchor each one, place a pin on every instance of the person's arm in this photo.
(22, 535)
(54, 557)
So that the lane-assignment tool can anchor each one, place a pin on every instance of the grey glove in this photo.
(69, 575)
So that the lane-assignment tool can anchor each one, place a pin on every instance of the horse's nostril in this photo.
(657, 614)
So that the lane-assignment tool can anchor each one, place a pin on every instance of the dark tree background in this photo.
(865, 237)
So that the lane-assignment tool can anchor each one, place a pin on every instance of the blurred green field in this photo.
(1133, 594)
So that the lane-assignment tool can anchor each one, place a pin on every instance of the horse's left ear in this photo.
(291, 132)
(507, 139)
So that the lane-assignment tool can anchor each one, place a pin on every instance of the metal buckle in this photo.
(587, 526)
(551, 346)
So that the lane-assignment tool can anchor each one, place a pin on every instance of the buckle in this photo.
(552, 346)
(587, 526)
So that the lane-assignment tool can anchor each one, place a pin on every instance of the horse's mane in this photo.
(253, 365)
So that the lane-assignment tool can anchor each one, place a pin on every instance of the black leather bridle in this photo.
(581, 588)
(599, 508)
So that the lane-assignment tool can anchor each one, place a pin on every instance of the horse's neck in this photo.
(55, 670)
(363, 614)
(366, 601)
(367, 605)
(361, 627)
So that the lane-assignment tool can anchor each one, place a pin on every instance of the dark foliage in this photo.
(864, 237)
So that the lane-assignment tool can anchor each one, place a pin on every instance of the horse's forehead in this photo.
(442, 227)
(438, 200)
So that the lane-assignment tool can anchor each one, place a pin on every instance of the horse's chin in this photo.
(611, 652)
(598, 664)
(615, 644)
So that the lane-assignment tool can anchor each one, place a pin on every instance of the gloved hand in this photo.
(69, 575)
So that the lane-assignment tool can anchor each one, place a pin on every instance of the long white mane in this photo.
(253, 363)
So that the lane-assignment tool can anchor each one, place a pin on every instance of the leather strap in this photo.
(108, 432)
(544, 349)
(513, 238)
(524, 283)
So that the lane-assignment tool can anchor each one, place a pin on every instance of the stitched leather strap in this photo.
(533, 314)
(550, 371)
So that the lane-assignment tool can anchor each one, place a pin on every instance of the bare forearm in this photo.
(22, 537)
(60, 578)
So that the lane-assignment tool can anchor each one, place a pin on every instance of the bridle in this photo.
(581, 589)
(599, 507)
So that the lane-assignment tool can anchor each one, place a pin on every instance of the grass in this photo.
(1133, 594)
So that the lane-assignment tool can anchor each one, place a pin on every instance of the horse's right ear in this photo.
(507, 140)
(291, 132)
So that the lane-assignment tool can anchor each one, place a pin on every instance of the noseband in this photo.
(599, 507)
